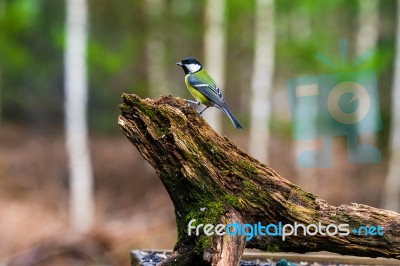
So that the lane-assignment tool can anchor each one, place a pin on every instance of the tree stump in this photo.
(212, 181)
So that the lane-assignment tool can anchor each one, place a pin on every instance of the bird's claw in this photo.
(190, 101)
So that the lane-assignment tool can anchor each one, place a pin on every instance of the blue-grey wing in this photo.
(210, 90)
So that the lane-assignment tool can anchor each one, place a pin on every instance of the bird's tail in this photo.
(231, 117)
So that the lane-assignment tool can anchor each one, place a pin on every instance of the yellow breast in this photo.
(196, 94)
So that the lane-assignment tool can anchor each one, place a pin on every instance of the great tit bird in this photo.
(203, 88)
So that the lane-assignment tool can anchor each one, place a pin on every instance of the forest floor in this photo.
(133, 211)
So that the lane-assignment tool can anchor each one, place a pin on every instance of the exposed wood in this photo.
(211, 180)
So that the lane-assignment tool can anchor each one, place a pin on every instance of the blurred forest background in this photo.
(132, 46)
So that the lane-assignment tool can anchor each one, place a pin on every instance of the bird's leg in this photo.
(194, 102)
(203, 110)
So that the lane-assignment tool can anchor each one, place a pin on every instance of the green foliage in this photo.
(30, 63)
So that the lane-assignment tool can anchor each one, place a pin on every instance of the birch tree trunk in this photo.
(307, 176)
(214, 52)
(3, 6)
(76, 90)
(1, 99)
(155, 48)
(300, 22)
(367, 38)
(391, 195)
(367, 35)
(261, 83)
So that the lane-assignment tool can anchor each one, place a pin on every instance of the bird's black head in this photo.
(190, 65)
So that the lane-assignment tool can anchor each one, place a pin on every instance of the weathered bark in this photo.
(211, 180)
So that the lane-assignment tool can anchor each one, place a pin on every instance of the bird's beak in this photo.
(179, 63)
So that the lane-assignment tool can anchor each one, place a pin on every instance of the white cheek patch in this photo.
(193, 67)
